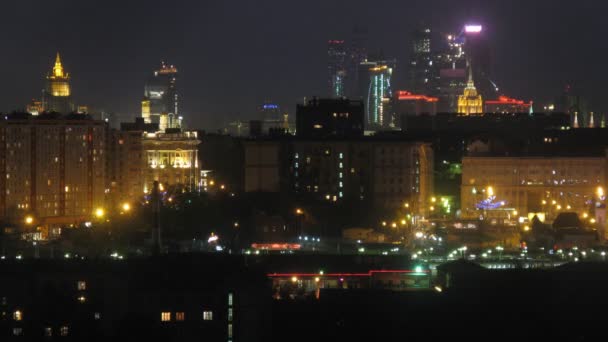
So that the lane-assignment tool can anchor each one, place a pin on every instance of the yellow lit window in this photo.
(165, 316)
(81, 285)
(18, 315)
(179, 316)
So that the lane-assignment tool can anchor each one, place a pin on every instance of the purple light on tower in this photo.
(473, 28)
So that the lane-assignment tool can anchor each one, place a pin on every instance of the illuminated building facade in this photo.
(548, 185)
(56, 96)
(337, 59)
(35, 107)
(171, 158)
(506, 105)
(470, 102)
(53, 167)
(378, 96)
(381, 172)
(160, 103)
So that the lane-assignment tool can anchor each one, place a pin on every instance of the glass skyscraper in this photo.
(160, 104)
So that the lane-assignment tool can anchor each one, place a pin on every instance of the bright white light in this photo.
(473, 28)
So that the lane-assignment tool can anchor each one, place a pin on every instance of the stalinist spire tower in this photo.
(57, 94)
(470, 102)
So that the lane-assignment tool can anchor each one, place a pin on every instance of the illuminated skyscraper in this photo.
(421, 64)
(337, 56)
(160, 103)
(56, 97)
(379, 95)
(479, 55)
(470, 102)
(450, 62)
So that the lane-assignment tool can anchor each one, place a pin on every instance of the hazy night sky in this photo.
(234, 54)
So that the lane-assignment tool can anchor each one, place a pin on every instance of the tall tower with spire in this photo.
(56, 96)
(160, 103)
(470, 102)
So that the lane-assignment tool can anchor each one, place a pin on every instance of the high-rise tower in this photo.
(56, 97)
(379, 95)
(470, 102)
(160, 103)
(337, 59)
(421, 64)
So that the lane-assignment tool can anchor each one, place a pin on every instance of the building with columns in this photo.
(538, 184)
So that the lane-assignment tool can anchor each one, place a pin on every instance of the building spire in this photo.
(58, 68)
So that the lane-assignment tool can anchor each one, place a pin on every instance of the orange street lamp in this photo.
(29, 219)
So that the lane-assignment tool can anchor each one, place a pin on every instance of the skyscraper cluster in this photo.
(356, 74)
(447, 72)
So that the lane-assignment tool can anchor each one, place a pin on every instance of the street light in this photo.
(126, 207)
(299, 211)
(29, 220)
(99, 212)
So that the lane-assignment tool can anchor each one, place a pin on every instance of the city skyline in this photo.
(532, 57)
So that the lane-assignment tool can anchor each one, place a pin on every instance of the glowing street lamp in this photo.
(299, 211)
(126, 207)
(29, 220)
(99, 212)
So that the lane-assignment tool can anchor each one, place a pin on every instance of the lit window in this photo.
(17, 331)
(81, 285)
(207, 315)
(97, 315)
(48, 331)
(230, 299)
(180, 316)
(230, 330)
(63, 331)
(165, 316)
(230, 314)
(17, 315)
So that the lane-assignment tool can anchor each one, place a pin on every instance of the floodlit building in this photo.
(53, 167)
(545, 184)
(171, 158)
(56, 97)
(470, 102)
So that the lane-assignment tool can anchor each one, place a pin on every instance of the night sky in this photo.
(232, 55)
